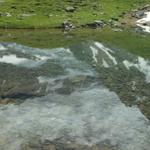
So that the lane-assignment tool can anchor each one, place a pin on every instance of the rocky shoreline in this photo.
(125, 20)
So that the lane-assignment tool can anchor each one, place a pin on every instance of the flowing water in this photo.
(86, 94)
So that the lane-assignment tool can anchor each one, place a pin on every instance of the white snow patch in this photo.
(144, 20)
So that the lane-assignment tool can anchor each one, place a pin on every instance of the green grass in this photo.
(51, 13)
(131, 41)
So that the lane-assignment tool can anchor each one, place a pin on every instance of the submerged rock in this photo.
(95, 97)
(19, 84)
(118, 71)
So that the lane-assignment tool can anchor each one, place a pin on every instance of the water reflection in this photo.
(74, 94)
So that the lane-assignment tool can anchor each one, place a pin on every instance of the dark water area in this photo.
(85, 91)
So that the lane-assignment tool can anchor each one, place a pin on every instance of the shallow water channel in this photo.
(87, 94)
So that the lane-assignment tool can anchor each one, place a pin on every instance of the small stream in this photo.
(84, 95)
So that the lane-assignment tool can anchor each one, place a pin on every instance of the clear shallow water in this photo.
(79, 94)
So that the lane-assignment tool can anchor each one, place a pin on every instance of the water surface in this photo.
(87, 93)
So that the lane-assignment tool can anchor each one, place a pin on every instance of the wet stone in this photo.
(20, 83)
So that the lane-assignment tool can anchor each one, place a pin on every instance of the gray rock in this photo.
(138, 14)
(67, 25)
(70, 9)
(19, 83)
(96, 24)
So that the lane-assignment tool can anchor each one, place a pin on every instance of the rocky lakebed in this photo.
(86, 96)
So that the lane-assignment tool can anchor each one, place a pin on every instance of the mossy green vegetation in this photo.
(136, 43)
(51, 13)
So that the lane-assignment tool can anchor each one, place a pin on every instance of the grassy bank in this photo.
(51, 13)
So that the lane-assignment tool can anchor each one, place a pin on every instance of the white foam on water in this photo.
(107, 51)
(144, 20)
(87, 117)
